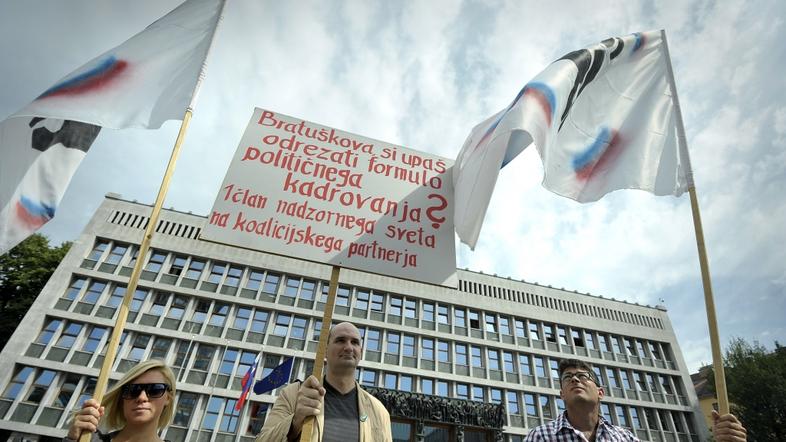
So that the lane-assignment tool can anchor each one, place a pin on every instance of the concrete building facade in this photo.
(209, 309)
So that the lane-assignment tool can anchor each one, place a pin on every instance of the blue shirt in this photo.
(560, 430)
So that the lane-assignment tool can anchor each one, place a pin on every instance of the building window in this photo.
(342, 296)
(461, 354)
(292, 285)
(254, 279)
(442, 388)
(443, 349)
(393, 343)
(548, 333)
(390, 381)
(372, 340)
(545, 407)
(233, 276)
(219, 316)
(634, 417)
(624, 379)
(369, 378)
(491, 323)
(139, 298)
(493, 356)
(462, 391)
(521, 330)
(185, 409)
(604, 344)
(460, 317)
(630, 346)
(40, 386)
(116, 254)
(426, 386)
(562, 334)
(529, 404)
(428, 312)
(178, 307)
(590, 340)
(69, 335)
(282, 324)
(427, 349)
(75, 288)
(299, 328)
(524, 365)
(217, 272)
(507, 360)
(177, 265)
(504, 325)
(474, 319)
(655, 350)
(395, 306)
(46, 334)
(622, 419)
(664, 380)
(317, 331)
(67, 389)
(93, 339)
(615, 342)
(259, 324)
(405, 383)
(477, 393)
(361, 300)
(410, 309)
(203, 357)
(612, 377)
(477, 357)
(513, 403)
(271, 283)
(211, 413)
(443, 316)
(242, 315)
(409, 346)
(195, 268)
(156, 261)
(116, 297)
(639, 379)
(540, 368)
(93, 292)
(98, 250)
(247, 360)
(496, 396)
(377, 302)
(16, 384)
(554, 365)
(160, 348)
(534, 334)
(138, 348)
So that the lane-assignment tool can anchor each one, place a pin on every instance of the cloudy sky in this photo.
(422, 74)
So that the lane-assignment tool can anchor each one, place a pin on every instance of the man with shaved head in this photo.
(344, 411)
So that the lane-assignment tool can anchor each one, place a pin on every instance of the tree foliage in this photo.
(24, 271)
(756, 383)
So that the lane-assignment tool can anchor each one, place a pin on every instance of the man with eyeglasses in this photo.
(582, 421)
(344, 412)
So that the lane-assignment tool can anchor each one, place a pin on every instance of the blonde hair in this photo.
(113, 402)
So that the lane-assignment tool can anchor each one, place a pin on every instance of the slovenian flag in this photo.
(603, 118)
(149, 79)
(247, 383)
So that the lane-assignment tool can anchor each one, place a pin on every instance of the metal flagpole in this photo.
(712, 321)
(122, 315)
(319, 359)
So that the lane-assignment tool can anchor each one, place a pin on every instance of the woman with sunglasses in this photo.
(136, 408)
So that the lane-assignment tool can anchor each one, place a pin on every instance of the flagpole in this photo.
(709, 301)
(122, 314)
(319, 359)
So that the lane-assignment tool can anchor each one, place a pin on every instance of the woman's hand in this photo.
(86, 419)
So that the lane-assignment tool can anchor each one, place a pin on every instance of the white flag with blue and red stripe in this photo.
(602, 118)
(247, 383)
(149, 79)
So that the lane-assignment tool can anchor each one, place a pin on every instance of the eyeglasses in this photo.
(132, 391)
(582, 376)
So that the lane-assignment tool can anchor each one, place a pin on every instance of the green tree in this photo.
(24, 270)
(756, 382)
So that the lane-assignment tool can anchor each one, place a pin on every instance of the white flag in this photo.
(602, 118)
(149, 79)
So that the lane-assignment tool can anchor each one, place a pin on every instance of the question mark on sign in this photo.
(436, 221)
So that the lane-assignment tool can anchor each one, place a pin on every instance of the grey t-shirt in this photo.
(342, 423)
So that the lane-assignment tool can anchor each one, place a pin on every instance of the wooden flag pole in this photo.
(709, 302)
(122, 314)
(319, 359)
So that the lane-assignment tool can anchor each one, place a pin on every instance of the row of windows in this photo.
(376, 305)
(558, 304)
(52, 392)
(394, 348)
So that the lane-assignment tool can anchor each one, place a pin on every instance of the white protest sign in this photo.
(300, 189)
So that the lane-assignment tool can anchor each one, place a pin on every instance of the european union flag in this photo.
(278, 377)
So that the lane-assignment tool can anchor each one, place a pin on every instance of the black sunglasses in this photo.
(132, 391)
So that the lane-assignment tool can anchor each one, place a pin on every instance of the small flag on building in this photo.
(149, 79)
(248, 381)
(603, 118)
(278, 377)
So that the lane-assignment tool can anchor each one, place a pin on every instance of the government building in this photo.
(477, 363)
